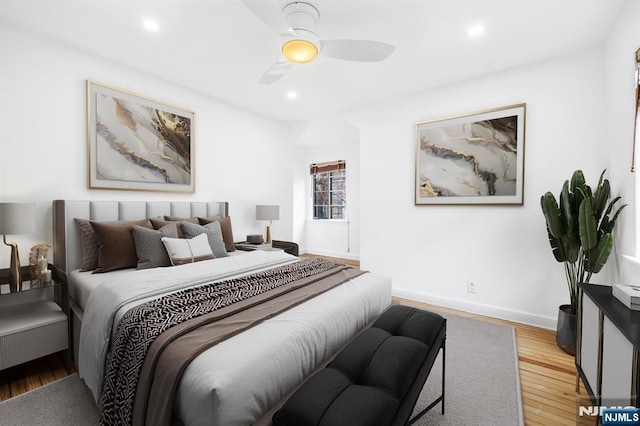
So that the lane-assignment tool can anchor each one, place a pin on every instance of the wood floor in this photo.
(31, 375)
(547, 375)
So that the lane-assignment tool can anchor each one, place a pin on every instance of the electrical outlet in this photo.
(471, 287)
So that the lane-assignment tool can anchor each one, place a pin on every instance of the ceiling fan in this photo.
(297, 23)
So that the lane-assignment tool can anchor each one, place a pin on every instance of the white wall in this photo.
(431, 252)
(338, 238)
(240, 157)
(619, 61)
(318, 142)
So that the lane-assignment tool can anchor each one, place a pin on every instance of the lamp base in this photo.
(267, 238)
(15, 274)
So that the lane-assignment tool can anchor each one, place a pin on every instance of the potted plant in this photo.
(580, 228)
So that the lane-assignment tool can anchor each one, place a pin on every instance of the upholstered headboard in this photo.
(66, 239)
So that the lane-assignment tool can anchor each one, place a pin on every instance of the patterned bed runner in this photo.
(185, 310)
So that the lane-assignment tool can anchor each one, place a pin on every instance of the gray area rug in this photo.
(482, 385)
(482, 382)
(61, 403)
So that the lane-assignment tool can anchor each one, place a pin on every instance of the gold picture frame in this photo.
(475, 158)
(138, 143)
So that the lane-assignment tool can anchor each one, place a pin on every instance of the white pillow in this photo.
(214, 234)
(182, 250)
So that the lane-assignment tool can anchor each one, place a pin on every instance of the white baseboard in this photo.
(340, 255)
(477, 308)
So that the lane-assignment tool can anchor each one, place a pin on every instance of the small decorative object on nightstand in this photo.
(38, 254)
(38, 264)
(45, 277)
(255, 239)
(269, 213)
(16, 218)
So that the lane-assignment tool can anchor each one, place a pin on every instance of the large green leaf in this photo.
(604, 226)
(608, 227)
(588, 225)
(572, 242)
(600, 197)
(552, 214)
(612, 222)
(567, 214)
(611, 204)
(572, 248)
(577, 179)
(577, 183)
(598, 257)
(556, 248)
(601, 179)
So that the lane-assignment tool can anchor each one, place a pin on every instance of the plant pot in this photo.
(566, 331)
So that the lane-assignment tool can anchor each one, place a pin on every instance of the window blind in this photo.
(331, 166)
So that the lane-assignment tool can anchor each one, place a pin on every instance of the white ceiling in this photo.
(220, 48)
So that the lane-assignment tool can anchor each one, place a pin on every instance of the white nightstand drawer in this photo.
(30, 331)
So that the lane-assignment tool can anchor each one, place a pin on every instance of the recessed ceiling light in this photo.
(292, 95)
(476, 31)
(151, 25)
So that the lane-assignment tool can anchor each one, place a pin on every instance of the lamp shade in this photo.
(267, 212)
(17, 218)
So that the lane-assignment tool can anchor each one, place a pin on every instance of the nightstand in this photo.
(246, 246)
(287, 246)
(34, 322)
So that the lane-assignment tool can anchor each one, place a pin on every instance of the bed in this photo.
(248, 372)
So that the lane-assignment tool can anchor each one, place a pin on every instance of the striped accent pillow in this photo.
(192, 250)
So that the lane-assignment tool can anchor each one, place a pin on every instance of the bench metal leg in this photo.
(444, 359)
(441, 397)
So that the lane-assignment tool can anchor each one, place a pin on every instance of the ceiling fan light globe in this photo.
(299, 51)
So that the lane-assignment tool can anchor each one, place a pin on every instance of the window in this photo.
(329, 190)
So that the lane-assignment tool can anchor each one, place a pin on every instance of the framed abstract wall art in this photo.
(473, 158)
(138, 143)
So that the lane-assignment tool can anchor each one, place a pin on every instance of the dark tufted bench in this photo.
(377, 378)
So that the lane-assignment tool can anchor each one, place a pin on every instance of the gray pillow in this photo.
(214, 235)
(150, 250)
(88, 245)
(225, 226)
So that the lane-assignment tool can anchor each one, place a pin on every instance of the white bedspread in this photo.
(234, 382)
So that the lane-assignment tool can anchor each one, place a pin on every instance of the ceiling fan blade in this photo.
(357, 50)
(269, 13)
(276, 71)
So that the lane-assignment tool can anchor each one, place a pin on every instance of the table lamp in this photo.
(269, 213)
(16, 218)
